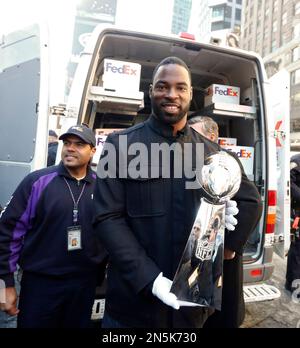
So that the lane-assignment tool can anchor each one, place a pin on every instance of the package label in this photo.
(120, 75)
(222, 94)
(226, 141)
(245, 155)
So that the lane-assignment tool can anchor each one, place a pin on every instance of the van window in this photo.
(19, 47)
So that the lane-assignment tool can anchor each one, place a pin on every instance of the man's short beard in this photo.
(166, 118)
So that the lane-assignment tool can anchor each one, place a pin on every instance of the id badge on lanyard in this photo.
(74, 232)
(74, 237)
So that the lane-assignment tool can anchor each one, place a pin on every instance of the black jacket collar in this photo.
(166, 130)
(62, 171)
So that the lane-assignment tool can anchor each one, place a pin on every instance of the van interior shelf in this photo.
(226, 109)
(112, 100)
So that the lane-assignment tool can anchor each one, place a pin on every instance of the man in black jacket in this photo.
(293, 260)
(52, 148)
(145, 207)
(46, 228)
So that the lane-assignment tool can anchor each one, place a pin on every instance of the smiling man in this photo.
(144, 222)
(46, 229)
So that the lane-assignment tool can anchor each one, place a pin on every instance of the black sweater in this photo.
(33, 226)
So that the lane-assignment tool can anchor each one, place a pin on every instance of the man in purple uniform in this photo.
(46, 229)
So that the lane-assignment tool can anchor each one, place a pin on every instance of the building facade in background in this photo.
(89, 14)
(272, 29)
(225, 14)
(156, 16)
(181, 16)
(216, 19)
(200, 20)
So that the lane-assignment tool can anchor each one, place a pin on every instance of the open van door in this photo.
(280, 89)
(23, 106)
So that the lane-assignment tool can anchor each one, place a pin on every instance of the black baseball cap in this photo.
(52, 133)
(83, 132)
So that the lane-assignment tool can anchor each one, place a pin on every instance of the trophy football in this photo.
(198, 279)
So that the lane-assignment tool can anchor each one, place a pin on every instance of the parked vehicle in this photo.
(100, 96)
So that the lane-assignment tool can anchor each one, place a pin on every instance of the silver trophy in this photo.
(199, 276)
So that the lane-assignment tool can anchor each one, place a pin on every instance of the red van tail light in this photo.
(256, 272)
(271, 212)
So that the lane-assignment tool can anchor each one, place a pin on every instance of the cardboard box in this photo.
(245, 155)
(101, 135)
(226, 141)
(222, 94)
(122, 76)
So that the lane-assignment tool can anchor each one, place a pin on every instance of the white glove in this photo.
(161, 289)
(230, 210)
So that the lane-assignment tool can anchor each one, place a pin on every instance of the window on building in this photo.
(239, 2)
(295, 77)
(228, 12)
(265, 51)
(295, 99)
(258, 23)
(296, 31)
(267, 11)
(274, 27)
(297, 8)
(266, 32)
(218, 26)
(273, 46)
(284, 18)
(238, 14)
(296, 54)
(218, 11)
(251, 12)
(284, 38)
(275, 5)
(258, 40)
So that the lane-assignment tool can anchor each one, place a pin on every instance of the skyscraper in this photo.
(272, 29)
(181, 16)
(215, 18)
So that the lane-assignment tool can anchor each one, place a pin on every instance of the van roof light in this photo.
(185, 35)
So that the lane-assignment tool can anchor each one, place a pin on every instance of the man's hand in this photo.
(161, 289)
(229, 254)
(230, 210)
(10, 305)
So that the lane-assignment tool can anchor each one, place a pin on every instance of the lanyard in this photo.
(75, 203)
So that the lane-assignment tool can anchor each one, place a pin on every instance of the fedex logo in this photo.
(226, 142)
(243, 153)
(227, 91)
(124, 69)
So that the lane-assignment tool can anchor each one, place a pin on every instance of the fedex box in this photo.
(101, 134)
(226, 141)
(222, 94)
(245, 155)
(120, 75)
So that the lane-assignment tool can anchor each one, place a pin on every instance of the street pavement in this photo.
(279, 313)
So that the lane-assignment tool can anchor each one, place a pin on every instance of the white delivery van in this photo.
(110, 91)
(105, 101)
(24, 109)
